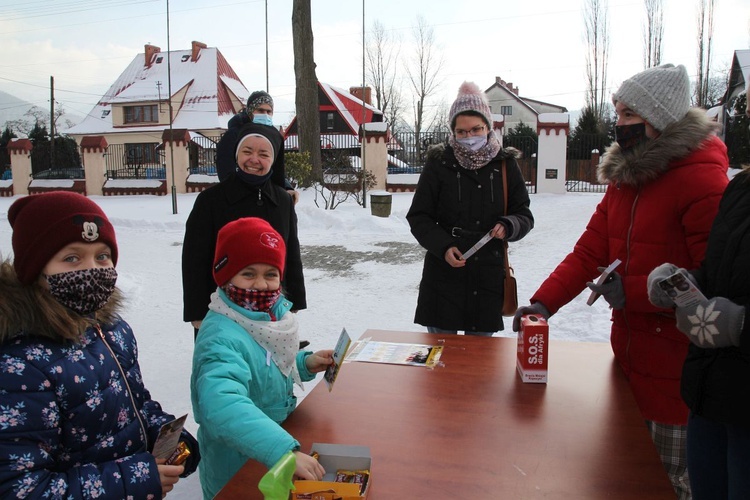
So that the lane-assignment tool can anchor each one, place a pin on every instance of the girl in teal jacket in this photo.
(247, 359)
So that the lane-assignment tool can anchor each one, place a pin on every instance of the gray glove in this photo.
(656, 295)
(536, 308)
(712, 323)
(611, 290)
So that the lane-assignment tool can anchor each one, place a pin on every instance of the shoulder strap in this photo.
(505, 189)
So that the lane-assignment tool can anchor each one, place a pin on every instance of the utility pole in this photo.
(52, 122)
(267, 89)
(364, 114)
(169, 97)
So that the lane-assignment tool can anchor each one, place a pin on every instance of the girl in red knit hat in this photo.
(247, 359)
(76, 420)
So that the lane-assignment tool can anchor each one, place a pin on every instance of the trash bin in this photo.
(380, 203)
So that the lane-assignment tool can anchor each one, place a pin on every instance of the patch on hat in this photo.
(270, 240)
(222, 262)
(90, 231)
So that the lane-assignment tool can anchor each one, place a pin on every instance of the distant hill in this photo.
(13, 108)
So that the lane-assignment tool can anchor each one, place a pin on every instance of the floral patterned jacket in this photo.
(76, 420)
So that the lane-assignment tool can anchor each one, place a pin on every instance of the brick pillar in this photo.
(180, 142)
(20, 164)
(553, 129)
(375, 152)
(93, 148)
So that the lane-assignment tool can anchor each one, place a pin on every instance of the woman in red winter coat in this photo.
(665, 175)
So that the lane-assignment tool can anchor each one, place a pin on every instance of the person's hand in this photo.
(196, 324)
(168, 475)
(536, 308)
(307, 467)
(454, 258)
(712, 323)
(656, 295)
(319, 361)
(612, 289)
(498, 231)
(294, 194)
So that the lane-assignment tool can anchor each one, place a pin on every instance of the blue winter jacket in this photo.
(239, 397)
(76, 420)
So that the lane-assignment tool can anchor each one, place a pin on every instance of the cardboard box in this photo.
(334, 457)
(533, 344)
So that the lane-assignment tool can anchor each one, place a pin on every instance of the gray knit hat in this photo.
(659, 95)
(256, 99)
(471, 98)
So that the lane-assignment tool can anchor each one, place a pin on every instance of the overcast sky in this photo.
(537, 45)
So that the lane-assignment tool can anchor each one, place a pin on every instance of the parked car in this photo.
(61, 173)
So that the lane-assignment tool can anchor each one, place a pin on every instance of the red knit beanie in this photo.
(44, 223)
(247, 241)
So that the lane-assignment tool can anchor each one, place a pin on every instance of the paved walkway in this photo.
(339, 261)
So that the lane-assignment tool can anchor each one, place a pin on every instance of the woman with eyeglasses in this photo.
(459, 199)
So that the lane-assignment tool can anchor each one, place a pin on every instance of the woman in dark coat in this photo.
(248, 192)
(716, 374)
(458, 200)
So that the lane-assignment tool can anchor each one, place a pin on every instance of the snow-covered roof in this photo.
(208, 81)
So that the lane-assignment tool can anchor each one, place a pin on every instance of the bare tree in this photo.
(306, 98)
(705, 43)
(653, 33)
(596, 36)
(423, 69)
(36, 115)
(382, 56)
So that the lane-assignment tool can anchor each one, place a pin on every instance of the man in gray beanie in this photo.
(665, 175)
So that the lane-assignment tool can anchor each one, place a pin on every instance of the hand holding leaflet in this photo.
(479, 244)
(606, 275)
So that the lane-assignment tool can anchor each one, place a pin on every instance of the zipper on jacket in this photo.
(492, 187)
(127, 385)
(627, 265)
(458, 183)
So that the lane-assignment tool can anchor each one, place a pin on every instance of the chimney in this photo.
(197, 46)
(150, 51)
(512, 88)
(357, 92)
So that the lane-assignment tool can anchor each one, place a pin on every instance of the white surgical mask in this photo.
(473, 142)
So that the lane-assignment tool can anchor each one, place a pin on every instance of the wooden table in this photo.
(472, 430)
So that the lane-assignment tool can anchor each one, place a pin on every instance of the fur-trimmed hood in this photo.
(649, 160)
(31, 310)
(436, 151)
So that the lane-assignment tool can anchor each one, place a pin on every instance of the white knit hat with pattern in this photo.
(659, 95)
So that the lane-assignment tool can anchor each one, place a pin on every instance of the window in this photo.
(506, 110)
(141, 154)
(329, 121)
(142, 114)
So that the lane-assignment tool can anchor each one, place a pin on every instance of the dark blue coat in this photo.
(76, 420)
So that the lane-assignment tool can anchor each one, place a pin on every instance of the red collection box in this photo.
(533, 343)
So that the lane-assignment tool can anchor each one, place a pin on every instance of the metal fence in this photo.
(135, 161)
(409, 150)
(203, 154)
(583, 154)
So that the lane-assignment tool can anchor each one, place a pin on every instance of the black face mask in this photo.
(629, 136)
